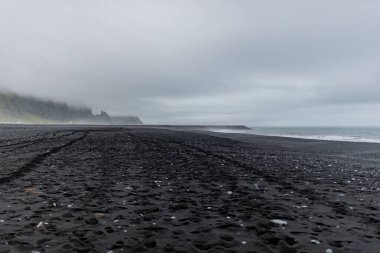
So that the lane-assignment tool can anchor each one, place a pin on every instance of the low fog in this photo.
(199, 62)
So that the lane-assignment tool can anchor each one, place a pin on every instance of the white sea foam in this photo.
(331, 138)
(354, 134)
(228, 131)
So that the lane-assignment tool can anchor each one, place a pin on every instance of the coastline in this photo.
(344, 134)
(133, 189)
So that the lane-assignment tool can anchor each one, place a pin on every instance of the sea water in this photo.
(352, 134)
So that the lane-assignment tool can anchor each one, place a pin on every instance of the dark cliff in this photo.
(21, 109)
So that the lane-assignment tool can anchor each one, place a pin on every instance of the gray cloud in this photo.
(253, 62)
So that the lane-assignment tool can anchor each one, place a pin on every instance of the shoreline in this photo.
(297, 137)
(311, 137)
(230, 129)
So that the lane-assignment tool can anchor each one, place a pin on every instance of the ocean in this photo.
(352, 134)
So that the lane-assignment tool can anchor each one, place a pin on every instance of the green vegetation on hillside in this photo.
(19, 109)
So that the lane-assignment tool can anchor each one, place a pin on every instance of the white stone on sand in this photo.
(280, 222)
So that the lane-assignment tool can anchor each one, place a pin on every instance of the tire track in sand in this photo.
(29, 166)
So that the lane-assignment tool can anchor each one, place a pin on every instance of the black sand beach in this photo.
(87, 189)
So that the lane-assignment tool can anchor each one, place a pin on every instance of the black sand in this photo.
(86, 189)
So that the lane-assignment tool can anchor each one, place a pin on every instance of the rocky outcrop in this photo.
(126, 120)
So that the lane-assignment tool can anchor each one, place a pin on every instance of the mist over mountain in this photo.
(29, 110)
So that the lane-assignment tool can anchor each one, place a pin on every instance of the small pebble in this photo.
(280, 222)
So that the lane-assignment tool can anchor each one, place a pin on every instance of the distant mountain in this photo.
(126, 120)
(28, 110)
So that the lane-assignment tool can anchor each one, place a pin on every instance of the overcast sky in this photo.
(200, 61)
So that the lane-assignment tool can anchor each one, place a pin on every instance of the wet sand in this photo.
(87, 189)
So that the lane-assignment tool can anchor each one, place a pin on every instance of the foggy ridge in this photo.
(29, 110)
